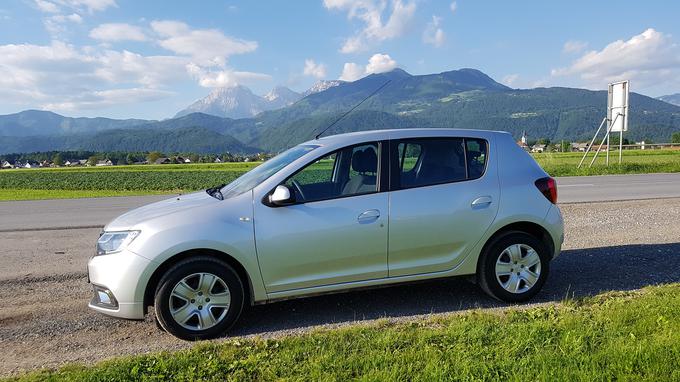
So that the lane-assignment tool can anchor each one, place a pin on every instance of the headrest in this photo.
(365, 160)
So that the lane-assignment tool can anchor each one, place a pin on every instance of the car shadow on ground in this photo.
(575, 273)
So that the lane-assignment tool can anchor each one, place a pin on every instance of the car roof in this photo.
(363, 136)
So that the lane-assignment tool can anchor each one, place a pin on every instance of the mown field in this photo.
(630, 336)
(17, 184)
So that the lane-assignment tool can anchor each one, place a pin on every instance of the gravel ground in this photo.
(609, 246)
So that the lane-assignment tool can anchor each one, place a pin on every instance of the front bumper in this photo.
(119, 281)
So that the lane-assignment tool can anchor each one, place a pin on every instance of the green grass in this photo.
(615, 336)
(28, 194)
(153, 179)
(634, 162)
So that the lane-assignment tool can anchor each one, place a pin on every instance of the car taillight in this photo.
(548, 188)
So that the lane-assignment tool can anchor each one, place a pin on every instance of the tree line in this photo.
(59, 158)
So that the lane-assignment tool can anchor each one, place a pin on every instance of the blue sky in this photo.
(149, 59)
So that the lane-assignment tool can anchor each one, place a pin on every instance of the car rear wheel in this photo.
(199, 298)
(514, 267)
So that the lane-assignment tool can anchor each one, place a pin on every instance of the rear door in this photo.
(442, 200)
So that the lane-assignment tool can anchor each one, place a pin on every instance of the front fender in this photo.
(227, 228)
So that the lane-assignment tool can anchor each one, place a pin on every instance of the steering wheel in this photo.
(298, 188)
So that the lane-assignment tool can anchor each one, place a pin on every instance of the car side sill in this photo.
(358, 285)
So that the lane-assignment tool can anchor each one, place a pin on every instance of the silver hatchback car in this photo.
(332, 214)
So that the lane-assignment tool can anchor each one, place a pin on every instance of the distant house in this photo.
(106, 162)
(6, 164)
(579, 147)
(537, 148)
(182, 160)
(31, 164)
(163, 161)
(218, 160)
(68, 163)
(82, 162)
(46, 163)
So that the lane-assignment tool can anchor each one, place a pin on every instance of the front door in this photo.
(335, 232)
(441, 202)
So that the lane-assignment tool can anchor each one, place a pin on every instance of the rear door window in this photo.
(430, 161)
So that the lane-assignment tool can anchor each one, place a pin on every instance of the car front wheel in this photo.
(199, 298)
(514, 267)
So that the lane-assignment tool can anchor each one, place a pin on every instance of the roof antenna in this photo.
(352, 109)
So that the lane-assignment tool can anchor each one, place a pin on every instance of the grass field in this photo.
(615, 336)
(52, 183)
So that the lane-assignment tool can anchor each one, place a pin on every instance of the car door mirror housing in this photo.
(282, 196)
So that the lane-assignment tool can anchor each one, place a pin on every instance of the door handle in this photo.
(368, 216)
(481, 202)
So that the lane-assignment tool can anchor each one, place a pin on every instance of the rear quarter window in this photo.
(477, 153)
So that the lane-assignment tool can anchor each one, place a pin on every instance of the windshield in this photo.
(262, 172)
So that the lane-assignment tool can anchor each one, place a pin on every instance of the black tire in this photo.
(486, 268)
(185, 268)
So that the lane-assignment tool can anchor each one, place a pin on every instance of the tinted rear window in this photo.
(424, 162)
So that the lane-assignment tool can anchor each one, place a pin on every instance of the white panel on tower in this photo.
(618, 106)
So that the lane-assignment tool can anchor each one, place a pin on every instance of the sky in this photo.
(149, 59)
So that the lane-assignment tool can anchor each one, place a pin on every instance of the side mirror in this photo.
(282, 196)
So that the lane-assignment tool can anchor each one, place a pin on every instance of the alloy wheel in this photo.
(199, 301)
(518, 268)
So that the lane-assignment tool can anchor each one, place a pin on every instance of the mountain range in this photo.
(465, 98)
(241, 102)
(671, 98)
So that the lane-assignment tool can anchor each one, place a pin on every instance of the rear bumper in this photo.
(118, 281)
(555, 225)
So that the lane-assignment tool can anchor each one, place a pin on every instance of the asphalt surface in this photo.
(44, 322)
(96, 212)
(578, 189)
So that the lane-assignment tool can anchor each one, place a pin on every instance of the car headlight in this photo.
(112, 242)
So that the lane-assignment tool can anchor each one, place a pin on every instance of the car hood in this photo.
(160, 209)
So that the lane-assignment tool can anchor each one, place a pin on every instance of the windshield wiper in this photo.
(216, 192)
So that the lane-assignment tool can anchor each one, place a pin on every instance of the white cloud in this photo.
(206, 47)
(650, 59)
(60, 76)
(55, 25)
(57, 6)
(223, 78)
(46, 6)
(352, 71)
(510, 79)
(208, 51)
(91, 5)
(314, 70)
(108, 98)
(454, 7)
(573, 46)
(378, 63)
(370, 13)
(127, 67)
(434, 34)
(117, 32)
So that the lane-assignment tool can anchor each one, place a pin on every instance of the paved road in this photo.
(95, 212)
(577, 189)
(67, 213)
(47, 323)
